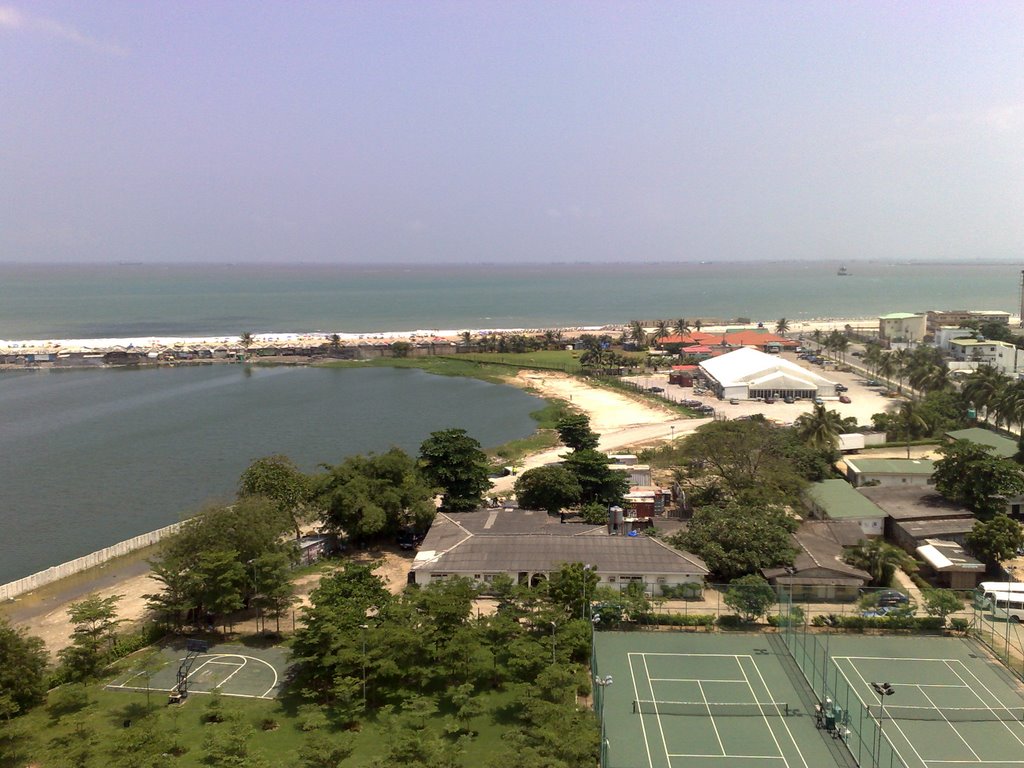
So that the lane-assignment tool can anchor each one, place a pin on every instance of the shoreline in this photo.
(157, 343)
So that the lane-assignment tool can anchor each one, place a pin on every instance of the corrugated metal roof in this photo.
(840, 501)
(1003, 446)
(521, 542)
(891, 466)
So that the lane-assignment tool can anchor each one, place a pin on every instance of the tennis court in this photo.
(951, 704)
(710, 700)
(234, 670)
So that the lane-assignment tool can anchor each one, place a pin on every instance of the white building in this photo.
(906, 327)
(1000, 355)
(748, 373)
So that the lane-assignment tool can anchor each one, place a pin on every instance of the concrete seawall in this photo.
(79, 564)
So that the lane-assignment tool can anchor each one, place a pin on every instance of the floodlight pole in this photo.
(600, 683)
(883, 690)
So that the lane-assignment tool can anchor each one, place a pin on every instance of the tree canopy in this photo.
(574, 431)
(970, 475)
(735, 540)
(996, 540)
(23, 663)
(552, 488)
(454, 462)
(375, 496)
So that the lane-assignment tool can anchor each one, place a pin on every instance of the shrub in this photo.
(959, 625)
(683, 619)
(730, 621)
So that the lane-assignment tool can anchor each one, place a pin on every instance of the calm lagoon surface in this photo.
(95, 457)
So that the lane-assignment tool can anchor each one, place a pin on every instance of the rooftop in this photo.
(899, 316)
(891, 466)
(948, 556)
(498, 540)
(915, 502)
(840, 501)
(1003, 446)
(931, 529)
(750, 366)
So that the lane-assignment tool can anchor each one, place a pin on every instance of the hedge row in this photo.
(917, 623)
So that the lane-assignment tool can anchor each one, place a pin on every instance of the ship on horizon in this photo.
(843, 271)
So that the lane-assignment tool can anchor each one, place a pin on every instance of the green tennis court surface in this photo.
(709, 700)
(236, 670)
(952, 705)
(716, 700)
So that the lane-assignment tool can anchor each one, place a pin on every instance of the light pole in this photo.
(883, 690)
(585, 610)
(673, 428)
(553, 625)
(600, 684)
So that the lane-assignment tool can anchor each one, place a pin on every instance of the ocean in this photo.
(93, 457)
(134, 300)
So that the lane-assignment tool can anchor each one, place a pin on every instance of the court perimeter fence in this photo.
(861, 732)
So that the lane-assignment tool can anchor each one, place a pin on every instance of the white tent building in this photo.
(747, 373)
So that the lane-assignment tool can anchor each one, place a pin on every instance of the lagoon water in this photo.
(100, 301)
(94, 457)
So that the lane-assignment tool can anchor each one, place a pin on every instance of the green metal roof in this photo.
(1003, 446)
(891, 466)
(840, 501)
(898, 316)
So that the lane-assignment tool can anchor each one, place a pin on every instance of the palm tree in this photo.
(887, 366)
(907, 422)
(872, 356)
(782, 326)
(880, 560)
(638, 334)
(820, 429)
(246, 340)
(900, 357)
(467, 338)
(926, 370)
(334, 342)
(697, 325)
(1009, 406)
(681, 327)
(984, 387)
(662, 328)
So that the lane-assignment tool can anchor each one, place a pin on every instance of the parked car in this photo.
(892, 597)
(818, 401)
(845, 399)
(841, 388)
(789, 400)
(655, 389)
(733, 401)
(769, 400)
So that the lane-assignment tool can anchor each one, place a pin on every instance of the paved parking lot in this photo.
(864, 401)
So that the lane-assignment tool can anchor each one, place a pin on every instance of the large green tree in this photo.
(574, 431)
(552, 488)
(996, 540)
(23, 664)
(278, 479)
(750, 596)
(599, 483)
(375, 496)
(454, 462)
(736, 540)
(820, 428)
(969, 474)
(95, 621)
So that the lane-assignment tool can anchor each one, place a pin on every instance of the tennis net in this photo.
(950, 714)
(713, 708)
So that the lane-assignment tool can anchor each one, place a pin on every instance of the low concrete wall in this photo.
(57, 572)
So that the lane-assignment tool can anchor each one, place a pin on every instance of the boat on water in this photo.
(843, 272)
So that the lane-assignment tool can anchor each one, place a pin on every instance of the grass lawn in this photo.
(47, 738)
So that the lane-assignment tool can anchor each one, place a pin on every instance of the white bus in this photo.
(1005, 599)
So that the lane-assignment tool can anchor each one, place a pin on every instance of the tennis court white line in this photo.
(978, 696)
(731, 757)
(714, 725)
(867, 686)
(661, 728)
(972, 762)
(691, 680)
(959, 735)
(785, 725)
(643, 727)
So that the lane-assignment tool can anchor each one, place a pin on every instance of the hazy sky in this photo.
(510, 131)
